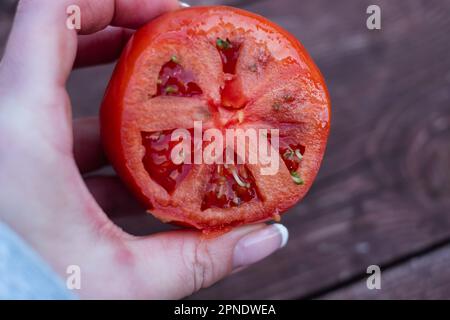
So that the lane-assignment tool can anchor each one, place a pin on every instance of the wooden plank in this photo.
(332, 247)
(384, 186)
(424, 277)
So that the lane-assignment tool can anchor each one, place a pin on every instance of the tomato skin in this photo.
(114, 128)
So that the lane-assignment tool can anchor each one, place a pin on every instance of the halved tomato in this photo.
(229, 69)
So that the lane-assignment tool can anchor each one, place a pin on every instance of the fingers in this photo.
(88, 150)
(135, 13)
(101, 47)
(41, 49)
(177, 263)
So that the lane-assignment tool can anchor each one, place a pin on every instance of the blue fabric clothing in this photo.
(23, 274)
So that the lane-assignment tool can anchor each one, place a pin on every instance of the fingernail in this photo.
(184, 4)
(259, 244)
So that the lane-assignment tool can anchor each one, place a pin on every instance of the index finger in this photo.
(41, 49)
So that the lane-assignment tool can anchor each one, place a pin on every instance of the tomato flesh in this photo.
(157, 160)
(174, 80)
(229, 186)
(223, 189)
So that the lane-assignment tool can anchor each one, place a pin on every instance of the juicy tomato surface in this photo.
(229, 69)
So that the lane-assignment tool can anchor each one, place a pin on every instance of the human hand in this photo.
(45, 197)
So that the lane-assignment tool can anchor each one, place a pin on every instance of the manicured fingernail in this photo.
(259, 244)
(184, 4)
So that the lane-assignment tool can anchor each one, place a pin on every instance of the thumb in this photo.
(176, 264)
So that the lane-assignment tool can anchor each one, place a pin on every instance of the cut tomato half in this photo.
(229, 70)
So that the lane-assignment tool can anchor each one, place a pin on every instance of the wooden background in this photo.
(383, 193)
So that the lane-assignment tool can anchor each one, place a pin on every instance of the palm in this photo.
(44, 196)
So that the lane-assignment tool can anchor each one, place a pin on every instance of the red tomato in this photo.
(229, 69)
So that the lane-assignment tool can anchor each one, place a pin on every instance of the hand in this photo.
(44, 196)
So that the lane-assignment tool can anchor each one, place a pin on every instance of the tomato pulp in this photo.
(228, 69)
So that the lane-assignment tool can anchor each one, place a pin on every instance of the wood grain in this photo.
(384, 187)
(424, 277)
(383, 192)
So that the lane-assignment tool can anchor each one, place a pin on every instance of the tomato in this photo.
(229, 69)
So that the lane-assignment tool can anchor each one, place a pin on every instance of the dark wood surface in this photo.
(383, 193)
(421, 277)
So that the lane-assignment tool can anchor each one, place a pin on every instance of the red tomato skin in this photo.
(111, 112)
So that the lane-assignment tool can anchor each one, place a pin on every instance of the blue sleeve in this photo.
(23, 274)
